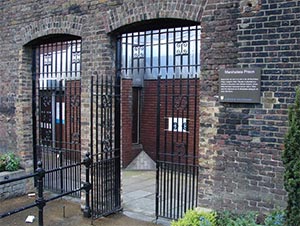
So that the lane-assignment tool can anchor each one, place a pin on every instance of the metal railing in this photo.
(41, 201)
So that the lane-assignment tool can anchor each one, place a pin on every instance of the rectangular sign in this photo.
(178, 125)
(239, 85)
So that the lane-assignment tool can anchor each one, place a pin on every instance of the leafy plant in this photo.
(246, 220)
(276, 218)
(291, 161)
(2, 163)
(9, 162)
(197, 218)
(230, 219)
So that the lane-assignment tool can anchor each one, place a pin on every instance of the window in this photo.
(172, 52)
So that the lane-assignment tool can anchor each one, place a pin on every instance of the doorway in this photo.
(159, 70)
(56, 108)
(136, 103)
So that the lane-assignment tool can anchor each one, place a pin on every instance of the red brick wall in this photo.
(181, 109)
(148, 131)
(126, 123)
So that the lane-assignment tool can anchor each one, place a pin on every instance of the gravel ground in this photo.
(60, 213)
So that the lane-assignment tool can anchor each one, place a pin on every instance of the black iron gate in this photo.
(105, 146)
(177, 160)
(165, 64)
(56, 112)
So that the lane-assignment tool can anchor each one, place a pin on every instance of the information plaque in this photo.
(239, 85)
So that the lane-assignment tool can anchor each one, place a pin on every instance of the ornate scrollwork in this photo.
(106, 101)
(181, 102)
(180, 149)
(138, 51)
(46, 101)
(76, 57)
(182, 48)
(106, 145)
(76, 138)
(48, 59)
(75, 101)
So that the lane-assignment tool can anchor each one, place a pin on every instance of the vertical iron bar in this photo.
(112, 138)
(173, 171)
(102, 137)
(167, 53)
(159, 58)
(187, 138)
(117, 126)
(157, 147)
(195, 141)
(35, 52)
(92, 143)
(166, 183)
(189, 51)
(97, 133)
(178, 138)
(60, 138)
(151, 53)
(70, 91)
(126, 54)
(196, 63)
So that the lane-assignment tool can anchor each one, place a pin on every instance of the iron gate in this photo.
(56, 112)
(177, 160)
(105, 146)
(164, 64)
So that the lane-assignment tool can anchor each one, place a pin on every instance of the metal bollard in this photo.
(40, 200)
(87, 185)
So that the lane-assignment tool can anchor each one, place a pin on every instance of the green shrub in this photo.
(9, 162)
(2, 163)
(230, 219)
(226, 218)
(291, 161)
(275, 218)
(246, 220)
(197, 218)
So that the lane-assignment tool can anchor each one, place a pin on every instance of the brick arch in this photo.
(70, 24)
(55, 26)
(137, 11)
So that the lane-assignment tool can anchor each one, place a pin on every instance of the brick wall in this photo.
(239, 144)
(241, 150)
(169, 106)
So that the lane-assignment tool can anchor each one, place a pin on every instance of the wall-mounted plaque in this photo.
(239, 85)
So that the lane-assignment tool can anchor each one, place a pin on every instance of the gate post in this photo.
(40, 200)
(87, 161)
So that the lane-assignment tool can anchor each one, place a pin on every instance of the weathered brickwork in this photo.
(243, 145)
(239, 144)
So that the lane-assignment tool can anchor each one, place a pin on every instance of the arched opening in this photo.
(159, 62)
(56, 108)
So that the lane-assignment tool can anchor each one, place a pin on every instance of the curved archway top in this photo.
(58, 25)
(154, 24)
(135, 12)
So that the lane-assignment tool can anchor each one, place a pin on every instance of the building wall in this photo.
(240, 144)
(241, 151)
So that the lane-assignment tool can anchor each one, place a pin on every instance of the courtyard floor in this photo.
(138, 207)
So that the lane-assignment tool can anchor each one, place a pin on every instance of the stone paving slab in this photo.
(138, 207)
(63, 213)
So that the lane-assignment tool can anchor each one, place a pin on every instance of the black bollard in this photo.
(40, 200)
(87, 185)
